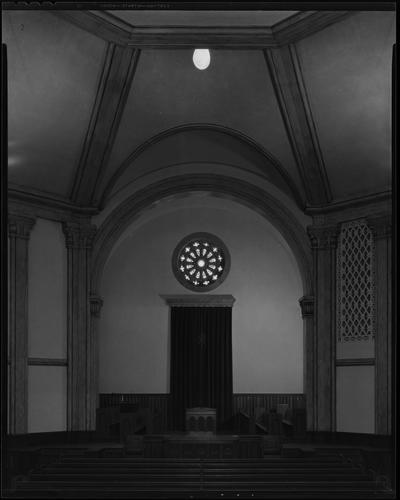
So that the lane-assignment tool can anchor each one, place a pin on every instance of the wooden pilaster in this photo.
(96, 303)
(307, 311)
(382, 230)
(19, 228)
(79, 237)
(324, 242)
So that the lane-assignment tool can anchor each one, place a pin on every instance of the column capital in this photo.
(323, 237)
(78, 235)
(307, 306)
(20, 226)
(381, 225)
(96, 303)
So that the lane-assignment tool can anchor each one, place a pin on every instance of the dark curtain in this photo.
(201, 361)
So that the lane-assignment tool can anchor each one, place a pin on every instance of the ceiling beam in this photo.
(303, 24)
(287, 79)
(94, 23)
(115, 82)
(115, 30)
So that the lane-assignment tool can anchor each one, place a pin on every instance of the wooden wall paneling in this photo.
(159, 403)
(250, 403)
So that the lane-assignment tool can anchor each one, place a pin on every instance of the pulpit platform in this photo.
(211, 446)
(201, 441)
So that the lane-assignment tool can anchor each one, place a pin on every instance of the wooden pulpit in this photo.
(201, 421)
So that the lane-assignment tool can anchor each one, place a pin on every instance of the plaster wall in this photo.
(47, 327)
(267, 338)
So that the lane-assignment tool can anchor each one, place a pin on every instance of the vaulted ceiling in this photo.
(98, 99)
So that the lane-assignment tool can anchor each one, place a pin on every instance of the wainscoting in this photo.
(250, 402)
(244, 402)
(115, 399)
(159, 404)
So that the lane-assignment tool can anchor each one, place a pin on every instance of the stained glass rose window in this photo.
(201, 262)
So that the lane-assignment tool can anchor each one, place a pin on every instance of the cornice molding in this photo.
(115, 30)
(304, 24)
(369, 207)
(22, 199)
(369, 200)
(199, 300)
(212, 6)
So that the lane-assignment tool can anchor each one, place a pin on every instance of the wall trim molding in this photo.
(199, 300)
(47, 362)
(358, 201)
(355, 362)
(29, 201)
(115, 30)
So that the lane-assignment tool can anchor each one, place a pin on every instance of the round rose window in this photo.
(201, 262)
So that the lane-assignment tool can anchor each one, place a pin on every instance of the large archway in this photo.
(238, 190)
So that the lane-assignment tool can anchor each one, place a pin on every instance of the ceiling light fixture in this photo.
(201, 58)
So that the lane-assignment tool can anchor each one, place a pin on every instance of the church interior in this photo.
(198, 249)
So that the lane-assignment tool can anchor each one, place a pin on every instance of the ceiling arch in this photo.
(314, 90)
(270, 167)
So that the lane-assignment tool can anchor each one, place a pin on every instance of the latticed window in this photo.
(201, 262)
(355, 282)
